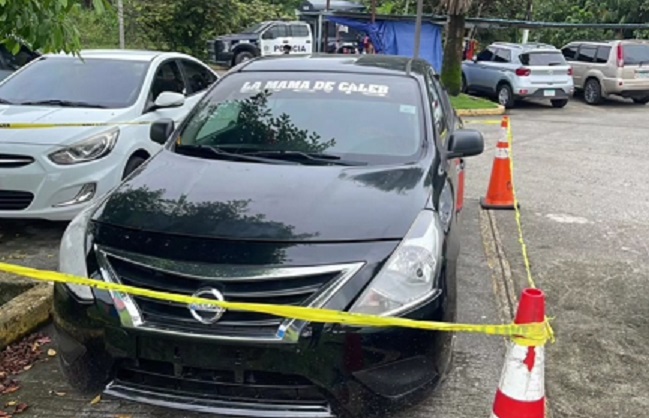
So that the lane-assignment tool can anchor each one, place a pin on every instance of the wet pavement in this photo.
(583, 185)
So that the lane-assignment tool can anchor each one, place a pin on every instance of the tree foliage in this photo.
(45, 25)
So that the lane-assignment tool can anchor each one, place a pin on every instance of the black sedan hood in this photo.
(176, 194)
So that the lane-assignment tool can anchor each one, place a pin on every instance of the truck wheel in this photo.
(242, 57)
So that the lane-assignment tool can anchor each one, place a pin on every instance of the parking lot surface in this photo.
(581, 181)
(581, 178)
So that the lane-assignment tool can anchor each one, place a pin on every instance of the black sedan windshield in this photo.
(355, 117)
(109, 83)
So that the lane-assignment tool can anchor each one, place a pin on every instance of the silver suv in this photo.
(512, 72)
(602, 69)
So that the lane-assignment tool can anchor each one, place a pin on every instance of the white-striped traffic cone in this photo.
(521, 392)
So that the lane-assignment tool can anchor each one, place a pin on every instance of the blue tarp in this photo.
(398, 38)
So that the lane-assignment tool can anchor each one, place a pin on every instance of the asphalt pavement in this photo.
(582, 182)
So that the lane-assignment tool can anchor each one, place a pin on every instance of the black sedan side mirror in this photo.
(465, 143)
(161, 130)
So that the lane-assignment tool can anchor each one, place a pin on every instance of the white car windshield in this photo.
(73, 82)
(368, 118)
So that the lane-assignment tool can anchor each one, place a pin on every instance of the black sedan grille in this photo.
(275, 289)
(247, 386)
(15, 200)
(15, 161)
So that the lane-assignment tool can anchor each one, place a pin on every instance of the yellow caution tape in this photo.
(521, 240)
(64, 125)
(530, 334)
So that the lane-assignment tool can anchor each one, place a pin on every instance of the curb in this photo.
(505, 289)
(24, 313)
(500, 110)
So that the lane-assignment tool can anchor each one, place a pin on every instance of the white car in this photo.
(53, 173)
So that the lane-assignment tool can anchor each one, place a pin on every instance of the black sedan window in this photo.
(360, 117)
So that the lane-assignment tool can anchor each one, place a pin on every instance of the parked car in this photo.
(325, 181)
(512, 72)
(603, 69)
(54, 173)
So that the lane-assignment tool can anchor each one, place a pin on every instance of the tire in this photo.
(133, 163)
(505, 95)
(243, 56)
(559, 103)
(641, 100)
(86, 374)
(593, 92)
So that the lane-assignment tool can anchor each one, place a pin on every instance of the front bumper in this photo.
(44, 190)
(330, 371)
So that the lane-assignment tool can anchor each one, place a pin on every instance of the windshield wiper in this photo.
(216, 152)
(62, 103)
(312, 157)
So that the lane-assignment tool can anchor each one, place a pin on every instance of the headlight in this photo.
(74, 249)
(89, 149)
(410, 273)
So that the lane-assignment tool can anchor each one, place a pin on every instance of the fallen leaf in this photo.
(123, 416)
(4, 414)
(22, 407)
(29, 366)
(51, 352)
(10, 389)
(96, 400)
(60, 393)
(10, 403)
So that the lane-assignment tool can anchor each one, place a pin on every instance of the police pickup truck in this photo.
(262, 39)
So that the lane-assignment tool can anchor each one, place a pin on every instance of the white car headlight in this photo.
(74, 248)
(408, 277)
(89, 149)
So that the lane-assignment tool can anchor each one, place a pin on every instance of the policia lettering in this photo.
(294, 48)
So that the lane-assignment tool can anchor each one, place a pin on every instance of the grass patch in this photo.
(466, 102)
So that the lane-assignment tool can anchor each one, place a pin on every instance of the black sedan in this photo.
(311, 181)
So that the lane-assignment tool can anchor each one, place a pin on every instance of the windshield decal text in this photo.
(315, 86)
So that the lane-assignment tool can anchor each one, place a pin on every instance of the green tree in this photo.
(45, 25)
(454, 45)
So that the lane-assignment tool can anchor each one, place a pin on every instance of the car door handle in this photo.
(285, 41)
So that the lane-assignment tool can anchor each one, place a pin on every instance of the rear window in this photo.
(543, 58)
(374, 119)
(636, 54)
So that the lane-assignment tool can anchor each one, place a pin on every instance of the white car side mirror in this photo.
(169, 99)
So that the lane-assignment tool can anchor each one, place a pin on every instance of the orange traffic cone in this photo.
(521, 392)
(460, 185)
(500, 194)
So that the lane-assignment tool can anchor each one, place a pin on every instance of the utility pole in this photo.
(120, 16)
(326, 37)
(373, 11)
(528, 17)
(420, 12)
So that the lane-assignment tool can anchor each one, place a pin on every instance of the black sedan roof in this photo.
(362, 64)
